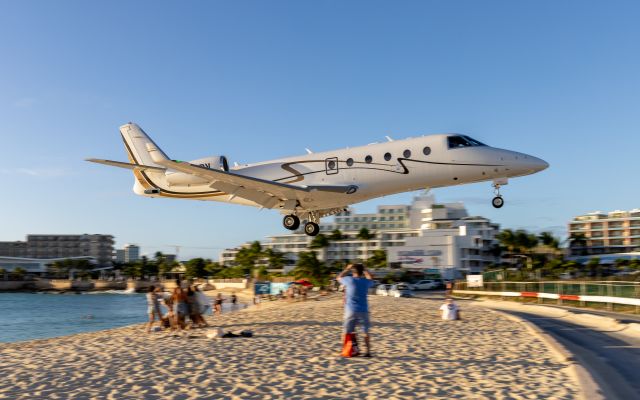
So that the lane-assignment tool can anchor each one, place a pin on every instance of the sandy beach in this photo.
(295, 354)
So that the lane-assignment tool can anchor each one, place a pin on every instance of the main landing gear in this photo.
(292, 222)
(498, 201)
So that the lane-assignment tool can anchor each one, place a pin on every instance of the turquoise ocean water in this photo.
(26, 316)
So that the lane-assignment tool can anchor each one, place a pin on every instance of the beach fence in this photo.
(609, 294)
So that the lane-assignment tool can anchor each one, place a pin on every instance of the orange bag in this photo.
(350, 345)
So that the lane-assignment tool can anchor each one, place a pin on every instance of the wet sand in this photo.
(295, 354)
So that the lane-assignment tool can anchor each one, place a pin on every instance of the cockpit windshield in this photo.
(458, 141)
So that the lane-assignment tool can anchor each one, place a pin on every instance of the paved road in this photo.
(613, 361)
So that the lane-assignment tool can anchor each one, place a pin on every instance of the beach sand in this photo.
(295, 354)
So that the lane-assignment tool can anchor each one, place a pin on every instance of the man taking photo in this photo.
(356, 306)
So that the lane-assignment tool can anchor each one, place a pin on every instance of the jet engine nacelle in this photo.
(213, 162)
(181, 179)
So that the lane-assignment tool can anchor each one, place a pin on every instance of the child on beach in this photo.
(449, 311)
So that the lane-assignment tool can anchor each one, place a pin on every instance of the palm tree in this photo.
(378, 260)
(275, 258)
(320, 242)
(309, 267)
(336, 235)
(578, 240)
(365, 236)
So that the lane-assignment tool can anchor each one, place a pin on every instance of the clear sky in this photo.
(256, 80)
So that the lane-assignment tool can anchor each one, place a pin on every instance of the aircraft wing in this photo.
(126, 165)
(264, 192)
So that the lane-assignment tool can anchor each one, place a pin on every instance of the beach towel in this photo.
(350, 345)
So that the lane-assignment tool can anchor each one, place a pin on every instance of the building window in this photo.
(349, 161)
(387, 156)
(407, 153)
(368, 159)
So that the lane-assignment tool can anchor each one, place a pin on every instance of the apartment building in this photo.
(98, 247)
(605, 233)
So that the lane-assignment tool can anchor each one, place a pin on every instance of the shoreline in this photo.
(295, 354)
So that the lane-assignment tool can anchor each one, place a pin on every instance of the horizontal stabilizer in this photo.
(126, 165)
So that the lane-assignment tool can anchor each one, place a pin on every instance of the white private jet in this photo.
(315, 185)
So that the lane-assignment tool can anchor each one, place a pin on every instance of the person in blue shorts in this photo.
(356, 306)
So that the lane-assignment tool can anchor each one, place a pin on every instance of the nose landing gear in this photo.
(498, 201)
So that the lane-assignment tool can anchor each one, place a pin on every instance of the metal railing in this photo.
(580, 288)
(585, 293)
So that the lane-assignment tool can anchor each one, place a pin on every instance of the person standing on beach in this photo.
(153, 307)
(234, 300)
(180, 307)
(356, 306)
(218, 304)
(449, 311)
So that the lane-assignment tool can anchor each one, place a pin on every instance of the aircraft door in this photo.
(331, 165)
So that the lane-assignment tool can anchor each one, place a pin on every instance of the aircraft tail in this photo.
(140, 148)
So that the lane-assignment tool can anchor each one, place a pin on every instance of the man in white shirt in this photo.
(449, 310)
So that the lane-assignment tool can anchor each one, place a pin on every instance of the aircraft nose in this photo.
(538, 164)
(533, 164)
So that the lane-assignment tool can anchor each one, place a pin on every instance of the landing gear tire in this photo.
(311, 228)
(291, 222)
(497, 202)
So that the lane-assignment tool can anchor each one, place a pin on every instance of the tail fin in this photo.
(140, 147)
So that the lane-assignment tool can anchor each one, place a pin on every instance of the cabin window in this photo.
(349, 161)
(368, 159)
(426, 151)
(407, 153)
(387, 156)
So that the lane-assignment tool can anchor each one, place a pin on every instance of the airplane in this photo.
(315, 185)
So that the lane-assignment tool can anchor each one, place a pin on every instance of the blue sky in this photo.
(256, 80)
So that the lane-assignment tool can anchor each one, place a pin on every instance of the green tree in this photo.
(309, 267)
(247, 257)
(132, 269)
(578, 242)
(19, 272)
(336, 235)
(195, 268)
(232, 272)
(593, 266)
(507, 239)
(320, 242)
(212, 268)
(275, 258)
(378, 260)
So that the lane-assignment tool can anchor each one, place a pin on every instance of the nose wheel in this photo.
(291, 222)
(498, 201)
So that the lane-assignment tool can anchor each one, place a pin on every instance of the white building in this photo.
(131, 253)
(442, 236)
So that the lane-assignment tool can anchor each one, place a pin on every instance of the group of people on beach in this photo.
(181, 304)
